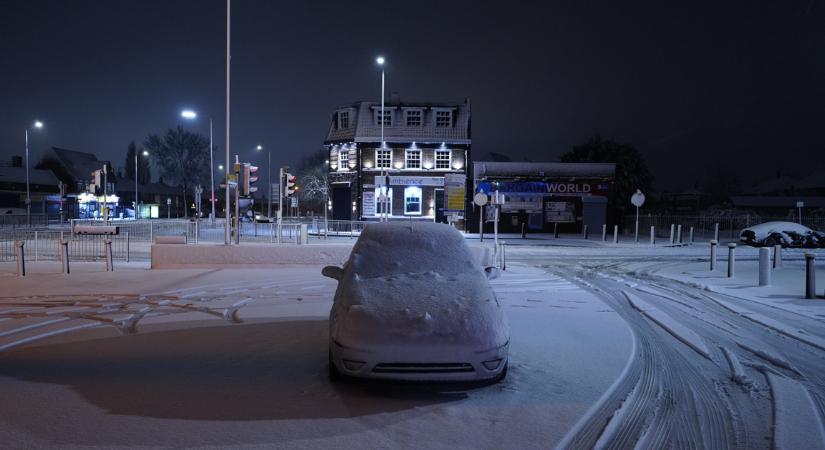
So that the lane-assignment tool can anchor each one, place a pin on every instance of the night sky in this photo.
(697, 87)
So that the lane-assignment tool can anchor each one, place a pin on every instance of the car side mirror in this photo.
(333, 272)
(492, 272)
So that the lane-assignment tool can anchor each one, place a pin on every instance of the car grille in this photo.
(423, 368)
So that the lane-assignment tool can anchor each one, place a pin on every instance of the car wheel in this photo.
(334, 374)
(503, 374)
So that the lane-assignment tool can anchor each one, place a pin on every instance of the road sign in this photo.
(638, 199)
(800, 204)
(480, 199)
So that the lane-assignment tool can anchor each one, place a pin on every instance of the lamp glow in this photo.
(380, 60)
(38, 124)
(188, 114)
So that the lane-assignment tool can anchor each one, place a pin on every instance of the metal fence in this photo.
(22, 220)
(704, 225)
(45, 246)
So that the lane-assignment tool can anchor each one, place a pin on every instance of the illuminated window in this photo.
(383, 158)
(443, 119)
(343, 160)
(413, 159)
(412, 200)
(442, 159)
(413, 117)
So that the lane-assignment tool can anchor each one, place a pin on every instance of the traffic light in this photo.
(290, 184)
(248, 178)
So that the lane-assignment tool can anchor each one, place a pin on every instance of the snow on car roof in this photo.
(409, 247)
(769, 227)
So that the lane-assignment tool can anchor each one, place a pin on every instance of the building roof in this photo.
(485, 169)
(364, 129)
(10, 174)
(79, 165)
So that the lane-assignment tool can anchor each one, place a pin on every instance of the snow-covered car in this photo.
(413, 303)
(786, 234)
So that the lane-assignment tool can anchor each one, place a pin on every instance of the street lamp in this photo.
(384, 213)
(268, 180)
(37, 124)
(137, 208)
(191, 115)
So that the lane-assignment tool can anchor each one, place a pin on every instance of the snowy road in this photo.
(187, 376)
(710, 370)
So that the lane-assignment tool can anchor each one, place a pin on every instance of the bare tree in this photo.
(183, 158)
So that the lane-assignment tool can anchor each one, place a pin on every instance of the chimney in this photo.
(395, 98)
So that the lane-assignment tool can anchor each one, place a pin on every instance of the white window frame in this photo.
(387, 115)
(409, 192)
(449, 159)
(343, 163)
(420, 116)
(378, 159)
(407, 160)
(342, 114)
(448, 112)
(378, 200)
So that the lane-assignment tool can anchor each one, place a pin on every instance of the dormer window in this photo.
(343, 119)
(387, 117)
(443, 118)
(414, 117)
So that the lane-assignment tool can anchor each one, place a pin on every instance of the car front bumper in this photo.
(402, 364)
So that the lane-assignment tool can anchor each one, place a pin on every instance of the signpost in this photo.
(799, 206)
(480, 199)
(638, 199)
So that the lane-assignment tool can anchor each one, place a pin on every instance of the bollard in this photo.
(21, 258)
(127, 246)
(303, 234)
(615, 234)
(713, 244)
(679, 233)
(690, 238)
(64, 256)
(523, 232)
(585, 232)
(151, 231)
(716, 232)
(810, 276)
(731, 259)
(503, 256)
(604, 232)
(764, 267)
(777, 256)
(107, 250)
(556, 230)
(672, 236)
(652, 235)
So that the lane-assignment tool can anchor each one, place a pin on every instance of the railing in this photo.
(704, 225)
(45, 246)
(22, 221)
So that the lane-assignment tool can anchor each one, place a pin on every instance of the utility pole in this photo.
(228, 47)
(105, 199)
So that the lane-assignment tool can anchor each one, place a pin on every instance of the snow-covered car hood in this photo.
(423, 308)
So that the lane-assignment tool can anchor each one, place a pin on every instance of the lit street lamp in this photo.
(383, 197)
(137, 208)
(37, 124)
(191, 115)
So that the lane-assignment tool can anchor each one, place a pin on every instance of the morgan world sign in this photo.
(542, 187)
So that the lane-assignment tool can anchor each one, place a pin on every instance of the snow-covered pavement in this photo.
(155, 359)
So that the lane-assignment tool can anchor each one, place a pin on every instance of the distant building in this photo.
(43, 189)
(427, 146)
(543, 195)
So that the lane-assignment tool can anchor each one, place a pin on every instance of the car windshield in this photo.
(392, 249)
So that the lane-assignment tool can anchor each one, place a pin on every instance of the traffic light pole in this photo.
(269, 184)
(237, 197)
(280, 200)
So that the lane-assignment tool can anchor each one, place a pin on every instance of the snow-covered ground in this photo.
(154, 358)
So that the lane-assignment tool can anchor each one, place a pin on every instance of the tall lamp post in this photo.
(191, 115)
(384, 213)
(37, 124)
(137, 208)
(268, 180)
